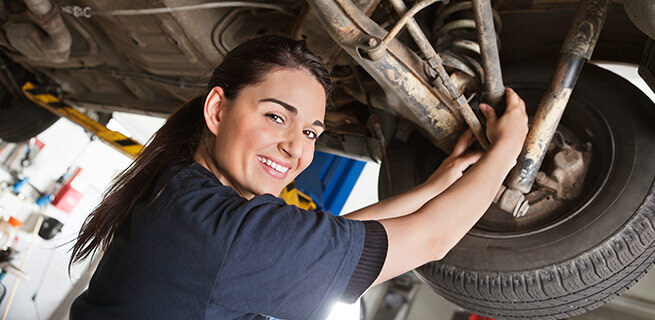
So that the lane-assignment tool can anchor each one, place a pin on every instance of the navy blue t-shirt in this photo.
(200, 251)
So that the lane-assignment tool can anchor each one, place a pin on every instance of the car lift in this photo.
(124, 144)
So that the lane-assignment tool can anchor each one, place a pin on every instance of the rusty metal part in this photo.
(39, 7)
(444, 84)
(543, 202)
(585, 29)
(578, 46)
(415, 31)
(570, 169)
(493, 77)
(513, 201)
(463, 81)
(398, 70)
(407, 18)
(54, 45)
(435, 63)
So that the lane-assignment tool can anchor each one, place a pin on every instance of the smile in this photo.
(275, 166)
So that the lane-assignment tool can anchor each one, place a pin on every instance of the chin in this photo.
(272, 190)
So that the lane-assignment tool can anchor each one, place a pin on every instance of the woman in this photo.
(192, 229)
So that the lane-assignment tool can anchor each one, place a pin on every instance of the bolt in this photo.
(372, 42)
(522, 209)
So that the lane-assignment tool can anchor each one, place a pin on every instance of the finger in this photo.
(469, 159)
(513, 99)
(463, 143)
(511, 95)
(488, 112)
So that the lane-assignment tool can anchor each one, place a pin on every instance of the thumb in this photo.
(488, 112)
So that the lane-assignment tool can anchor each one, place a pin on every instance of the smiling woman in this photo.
(265, 136)
(192, 228)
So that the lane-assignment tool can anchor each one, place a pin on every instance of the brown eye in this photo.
(275, 118)
(310, 134)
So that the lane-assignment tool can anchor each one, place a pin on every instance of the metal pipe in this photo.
(493, 77)
(56, 42)
(87, 12)
(577, 48)
(409, 15)
(39, 7)
(415, 31)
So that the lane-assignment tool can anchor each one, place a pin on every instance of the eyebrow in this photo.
(291, 109)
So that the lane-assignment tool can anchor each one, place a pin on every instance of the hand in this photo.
(512, 127)
(454, 165)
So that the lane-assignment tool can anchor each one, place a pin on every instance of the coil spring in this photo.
(455, 38)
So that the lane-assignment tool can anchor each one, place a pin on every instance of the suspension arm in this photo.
(398, 70)
(442, 81)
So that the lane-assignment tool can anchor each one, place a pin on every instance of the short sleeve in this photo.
(294, 264)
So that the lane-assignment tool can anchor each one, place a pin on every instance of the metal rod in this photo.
(415, 31)
(577, 48)
(493, 77)
(56, 41)
(404, 19)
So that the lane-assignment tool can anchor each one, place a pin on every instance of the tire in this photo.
(23, 119)
(585, 255)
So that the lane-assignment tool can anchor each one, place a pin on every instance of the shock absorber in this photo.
(454, 36)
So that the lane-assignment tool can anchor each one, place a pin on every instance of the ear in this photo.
(214, 105)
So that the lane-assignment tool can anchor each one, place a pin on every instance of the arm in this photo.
(430, 232)
(408, 202)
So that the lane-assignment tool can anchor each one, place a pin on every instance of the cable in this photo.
(87, 12)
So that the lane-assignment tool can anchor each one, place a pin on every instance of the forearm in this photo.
(437, 226)
(457, 209)
(400, 204)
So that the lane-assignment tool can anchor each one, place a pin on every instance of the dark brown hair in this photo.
(185, 131)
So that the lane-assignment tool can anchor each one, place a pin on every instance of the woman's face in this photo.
(265, 136)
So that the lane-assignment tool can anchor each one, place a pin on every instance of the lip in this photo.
(274, 173)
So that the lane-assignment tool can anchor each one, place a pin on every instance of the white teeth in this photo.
(275, 166)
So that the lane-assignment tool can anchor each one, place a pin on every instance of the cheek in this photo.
(307, 157)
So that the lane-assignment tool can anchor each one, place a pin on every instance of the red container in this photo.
(67, 198)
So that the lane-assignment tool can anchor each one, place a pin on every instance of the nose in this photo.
(292, 146)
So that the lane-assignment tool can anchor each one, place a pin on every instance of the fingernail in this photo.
(484, 106)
